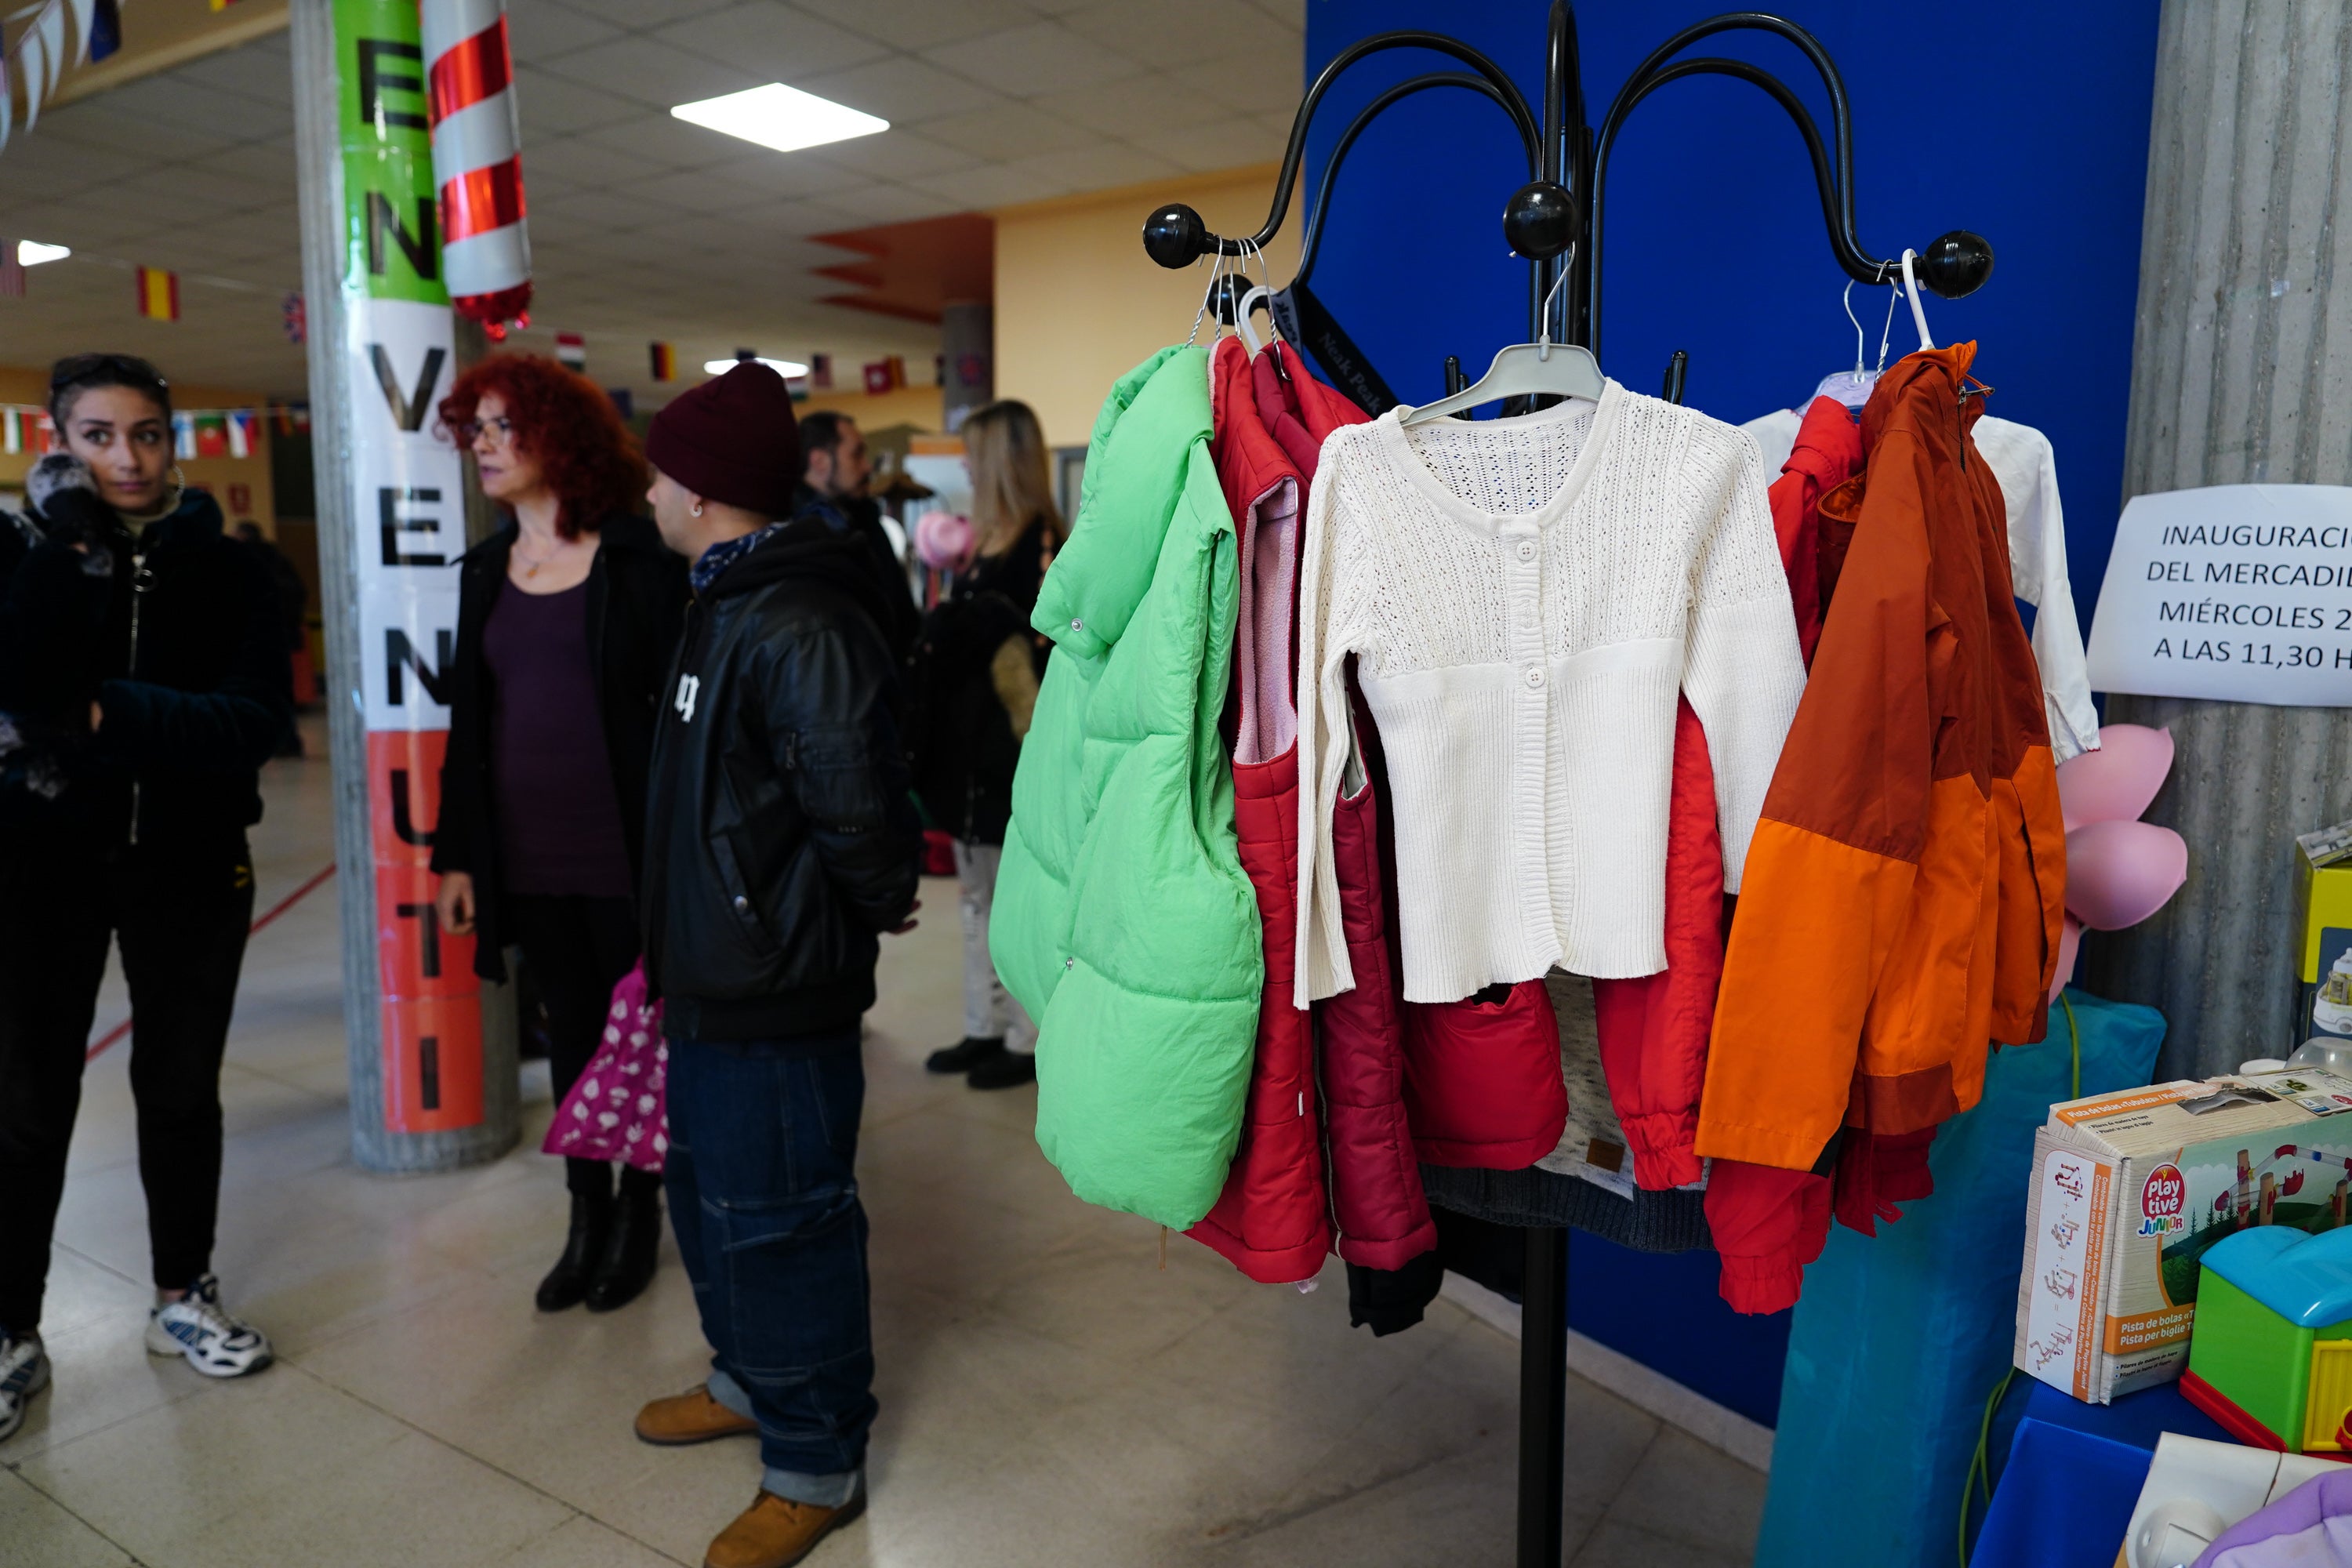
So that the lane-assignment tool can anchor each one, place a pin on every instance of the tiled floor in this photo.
(1049, 1395)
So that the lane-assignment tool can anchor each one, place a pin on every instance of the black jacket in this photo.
(178, 640)
(636, 604)
(779, 837)
(860, 517)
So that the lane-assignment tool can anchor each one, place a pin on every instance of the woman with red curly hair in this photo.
(567, 618)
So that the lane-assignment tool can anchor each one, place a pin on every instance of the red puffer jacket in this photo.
(1274, 1220)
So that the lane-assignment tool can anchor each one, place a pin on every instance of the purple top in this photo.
(559, 816)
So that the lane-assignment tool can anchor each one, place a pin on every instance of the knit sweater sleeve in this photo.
(1325, 739)
(1742, 669)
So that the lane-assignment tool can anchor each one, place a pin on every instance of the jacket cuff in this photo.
(1759, 1285)
(1663, 1145)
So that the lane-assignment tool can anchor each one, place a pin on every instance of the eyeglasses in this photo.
(469, 431)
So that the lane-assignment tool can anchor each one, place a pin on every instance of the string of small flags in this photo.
(195, 432)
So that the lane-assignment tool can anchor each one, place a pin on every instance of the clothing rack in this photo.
(1561, 211)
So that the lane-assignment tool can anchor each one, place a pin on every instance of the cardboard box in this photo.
(2130, 1189)
(2323, 901)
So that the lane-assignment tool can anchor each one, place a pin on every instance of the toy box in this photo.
(2129, 1191)
(2323, 902)
(2270, 1359)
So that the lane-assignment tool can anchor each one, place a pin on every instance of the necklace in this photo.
(529, 566)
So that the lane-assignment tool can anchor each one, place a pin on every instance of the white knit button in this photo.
(1527, 549)
(1535, 675)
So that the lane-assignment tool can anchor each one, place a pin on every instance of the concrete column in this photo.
(431, 1088)
(2241, 372)
(968, 351)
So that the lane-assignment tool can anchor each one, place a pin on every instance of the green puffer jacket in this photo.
(1123, 919)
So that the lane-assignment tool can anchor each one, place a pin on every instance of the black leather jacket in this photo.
(781, 840)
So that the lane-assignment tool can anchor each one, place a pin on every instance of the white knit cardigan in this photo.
(1524, 598)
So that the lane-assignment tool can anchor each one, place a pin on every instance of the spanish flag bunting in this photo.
(665, 360)
(159, 294)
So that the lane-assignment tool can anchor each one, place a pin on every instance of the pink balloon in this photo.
(944, 541)
(2119, 873)
(2116, 783)
(2070, 943)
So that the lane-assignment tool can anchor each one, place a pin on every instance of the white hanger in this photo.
(1539, 369)
(1261, 295)
(1911, 286)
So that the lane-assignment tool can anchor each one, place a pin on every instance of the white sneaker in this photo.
(23, 1372)
(198, 1327)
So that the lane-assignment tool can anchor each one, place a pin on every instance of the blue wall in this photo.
(2027, 122)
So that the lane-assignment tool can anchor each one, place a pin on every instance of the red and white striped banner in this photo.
(477, 159)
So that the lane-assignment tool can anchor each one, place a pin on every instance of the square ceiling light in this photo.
(781, 117)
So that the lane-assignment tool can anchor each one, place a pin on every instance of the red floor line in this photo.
(279, 907)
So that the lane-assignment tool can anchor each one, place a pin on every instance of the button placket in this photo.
(1522, 561)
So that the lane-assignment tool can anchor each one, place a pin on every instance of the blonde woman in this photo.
(980, 668)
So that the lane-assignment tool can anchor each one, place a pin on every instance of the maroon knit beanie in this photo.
(734, 439)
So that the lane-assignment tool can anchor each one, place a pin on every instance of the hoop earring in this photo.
(179, 480)
(696, 509)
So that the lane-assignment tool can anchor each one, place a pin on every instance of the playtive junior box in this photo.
(2323, 902)
(2130, 1189)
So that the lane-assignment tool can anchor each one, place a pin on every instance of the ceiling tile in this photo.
(222, 193)
(771, 39)
(893, 204)
(1099, 167)
(271, 162)
(259, 73)
(1040, 57)
(188, 105)
(1291, 13)
(610, 211)
(1251, 83)
(1007, 130)
(768, 174)
(902, 91)
(919, 23)
(94, 123)
(1159, 34)
(991, 185)
(584, 163)
(1218, 144)
(667, 139)
(36, 163)
(541, 31)
(552, 105)
(692, 190)
(655, 74)
(899, 155)
(1112, 109)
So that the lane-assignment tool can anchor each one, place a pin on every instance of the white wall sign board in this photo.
(2233, 593)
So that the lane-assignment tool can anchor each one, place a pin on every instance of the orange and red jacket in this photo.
(1904, 893)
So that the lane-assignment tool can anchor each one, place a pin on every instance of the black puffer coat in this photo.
(780, 839)
(636, 604)
(178, 639)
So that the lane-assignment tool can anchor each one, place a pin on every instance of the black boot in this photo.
(566, 1284)
(627, 1266)
(965, 1054)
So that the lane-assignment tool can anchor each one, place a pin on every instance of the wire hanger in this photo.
(1539, 369)
(1851, 388)
(1209, 303)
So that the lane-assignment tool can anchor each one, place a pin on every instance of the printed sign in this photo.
(2063, 1293)
(2235, 593)
(399, 359)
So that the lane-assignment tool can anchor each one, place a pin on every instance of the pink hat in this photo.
(944, 541)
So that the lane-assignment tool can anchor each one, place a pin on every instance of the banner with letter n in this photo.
(407, 506)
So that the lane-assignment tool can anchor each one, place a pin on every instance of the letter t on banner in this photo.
(431, 1087)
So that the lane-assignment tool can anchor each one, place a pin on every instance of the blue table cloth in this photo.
(2063, 1495)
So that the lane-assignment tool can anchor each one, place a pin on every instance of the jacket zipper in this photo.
(141, 575)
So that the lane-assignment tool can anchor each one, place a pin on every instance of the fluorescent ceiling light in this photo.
(32, 252)
(791, 370)
(781, 117)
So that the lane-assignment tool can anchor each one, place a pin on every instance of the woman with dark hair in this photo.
(566, 620)
(983, 669)
(143, 683)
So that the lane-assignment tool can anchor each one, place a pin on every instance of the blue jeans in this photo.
(763, 1200)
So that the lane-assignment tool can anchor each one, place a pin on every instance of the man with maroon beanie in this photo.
(780, 843)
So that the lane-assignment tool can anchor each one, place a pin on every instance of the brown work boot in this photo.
(775, 1532)
(689, 1418)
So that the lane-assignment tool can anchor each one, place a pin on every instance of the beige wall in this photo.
(31, 387)
(1078, 304)
(915, 406)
